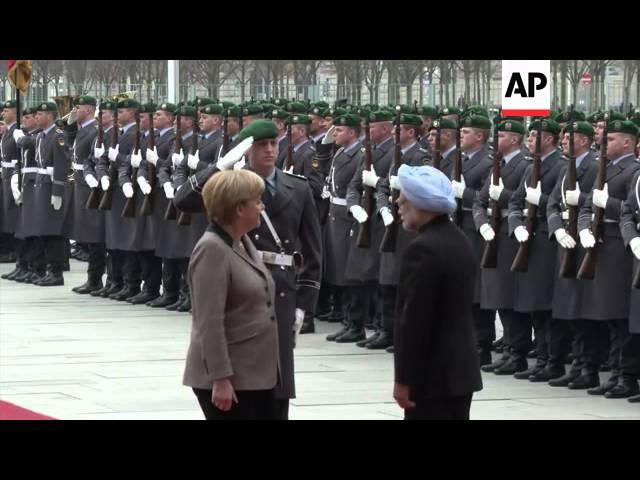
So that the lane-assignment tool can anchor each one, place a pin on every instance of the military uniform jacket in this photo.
(447, 161)
(629, 221)
(567, 292)
(29, 168)
(283, 148)
(606, 297)
(9, 157)
(218, 144)
(206, 149)
(102, 165)
(306, 164)
(496, 285)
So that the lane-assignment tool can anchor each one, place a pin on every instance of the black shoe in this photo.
(495, 365)
(42, 278)
(36, 278)
(603, 388)
(332, 337)
(83, 286)
(143, 297)
(91, 287)
(512, 366)
(532, 354)
(185, 306)
(125, 293)
(174, 306)
(485, 357)
(498, 345)
(544, 375)
(390, 349)
(28, 278)
(12, 274)
(583, 382)
(525, 374)
(624, 389)
(383, 341)
(634, 399)
(102, 291)
(322, 316)
(351, 336)
(53, 280)
(162, 301)
(22, 276)
(307, 327)
(370, 338)
(564, 380)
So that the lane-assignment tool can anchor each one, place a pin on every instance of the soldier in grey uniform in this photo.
(317, 128)
(87, 225)
(233, 130)
(566, 327)
(428, 115)
(447, 143)
(606, 299)
(292, 229)
(279, 117)
(497, 284)
(476, 165)
(9, 158)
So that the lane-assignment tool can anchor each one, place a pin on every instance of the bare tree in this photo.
(77, 73)
(212, 73)
(408, 71)
(47, 71)
(575, 71)
(355, 78)
(241, 69)
(372, 71)
(105, 73)
(467, 67)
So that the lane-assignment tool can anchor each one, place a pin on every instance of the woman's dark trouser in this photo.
(252, 405)
(452, 408)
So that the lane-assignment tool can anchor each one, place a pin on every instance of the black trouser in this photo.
(117, 259)
(183, 266)
(97, 261)
(132, 270)
(324, 298)
(252, 405)
(281, 408)
(506, 319)
(170, 277)
(521, 335)
(560, 338)
(54, 252)
(358, 305)
(375, 312)
(388, 300)
(36, 256)
(484, 322)
(628, 347)
(596, 344)
(22, 254)
(452, 408)
(151, 268)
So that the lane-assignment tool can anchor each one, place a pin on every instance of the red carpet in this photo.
(9, 411)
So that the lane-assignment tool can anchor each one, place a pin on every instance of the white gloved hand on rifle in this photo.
(18, 134)
(634, 245)
(193, 160)
(521, 234)
(387, 216)
(359, 213)
(564, 239)
(177, 158)
(572, 197)
(587, 239)
(105, 183)
(458, 187)
(168, 190)
(487, 232)
(91, 181)
(235, 154)
(370, 178)
(145, 188)
(496, 190)
(56, 202)
(127, 189)
(152, 156)
(394, 183)
(98, 151)
(534, 194)
(297, 324)
(136, 158)
(600, 197)
(113, 153)
(15, 190)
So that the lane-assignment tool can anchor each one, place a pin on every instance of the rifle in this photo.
(19, 160)
(185, 218)
(490, 253)
(171, 213)
(107, 198)
(364, 231)
(388, 243)
(92, 199)
(289, 160)
(129, 210)
(437, 151)
(225, 134)
(587, 269)
(147, 203)
(457, 175)
(521, 260)
(569, 266)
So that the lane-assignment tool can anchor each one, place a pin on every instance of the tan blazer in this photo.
(234, 331)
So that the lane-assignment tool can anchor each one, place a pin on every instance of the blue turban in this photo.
(427, 188)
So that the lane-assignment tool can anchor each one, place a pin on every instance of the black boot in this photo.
(634, 399)
(92, 285)
(185, 306)
(583, 382)
(495, 365)
(603, 388)
(512, 366)
(498, 345)
(124, 293)
(22, 277)
(174, 306)
(143, 297)
(382, 341)
(102, 292)
(163, 301)
(485, 356)
(625, 388)
(307, 326)
(546, 374)
(564, 380)
(11, 275)
(351, 336)
(525, 374)
(332, 337)
(52, 280)
(369, 339)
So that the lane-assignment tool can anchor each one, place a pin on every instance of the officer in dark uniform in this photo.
(9, 158)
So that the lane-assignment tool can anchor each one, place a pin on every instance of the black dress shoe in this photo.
(83, 286)
(42, 279)
(162, 301)
(92, 287)
(493, 366)
(624, 389)
(307, 327)
(498, 345)
(564, 380)
(143, 297)
(28, 278)
(125, 293)
(36, 278)
(185, 306)
(525, 374)
(370, 338)
(352, 336)
(532, 354)
(603, 388)
(584, 382)
(22, 276)
(512, 366)
(53, 280)
(544, 375)
(113, 289)
(390, 349)
(102, 291)
(174, 306)
(634, 399)
(332, 337)
(383, 341)
(11, 275)
(322, 316)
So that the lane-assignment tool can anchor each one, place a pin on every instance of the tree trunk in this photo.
(563, 84)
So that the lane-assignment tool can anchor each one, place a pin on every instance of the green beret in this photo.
(322, 104)
(297, 107)
(582, 127)
(234, 112)
(267, 108)
(406, 108)
(317, 110)
(212, 109)
(47, 107)
(29, 111)
(9, 104)
(203, 101)
(187, 111)
(281, 102)
(128, 103)
(476, 110)
(364, 112)
(410, 119)
(84, 100)
(168, 107)
(259, 130)
(564, 117)
(612, 116)
(150, 107)
(511, 126)
(226, 104)
(252, 109)
(300, 119)
(623, 126)
(381, 116)
(444, 123)
(593, 117)
(547, 125)
(635, 117)
(108, 105)
(335, 112)
(347, 120)
(450, 111)
(427, 111)
(476, 121)
(280, 114)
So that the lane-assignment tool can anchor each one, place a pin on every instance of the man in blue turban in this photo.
(437, 368)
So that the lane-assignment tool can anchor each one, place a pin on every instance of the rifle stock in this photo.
(388, 243)
(569, 264)
(147, 203)
(94, 195)
(364, 229)
(107, 197)
(490, 252)
(129, 210)
(171, 213)
(184, 218)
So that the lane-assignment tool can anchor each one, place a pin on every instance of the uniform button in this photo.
(273, 319)
(282, 267)
(256, 237)
(282, 294)
(286, 241)
(268, 303)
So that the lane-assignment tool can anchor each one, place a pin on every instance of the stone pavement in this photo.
(77, 357)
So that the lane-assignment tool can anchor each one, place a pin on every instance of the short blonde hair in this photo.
(224, 191)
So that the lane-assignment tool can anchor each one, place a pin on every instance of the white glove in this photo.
(113, 153)
(98, 151)
(127, 189)
(359, 213)
(18, 134)
(458, 187)
(564, 239)
(329, 138)
(17, 194)
(487, 232)
(235, 154)
(152, 156)
(104, 182)
(136, 158)
(521, 233)
(600, 197)
(634, 244)
(496, 190)
(587, 239)
(177, 158)
(193, 160)
(297, 324)
(288, 170)
(394, 183)
(572, 197)
(56, 201)
(387, 216)
(145, 188)
(91, 181)
(369, 177)
(168, 190)
(533, 194)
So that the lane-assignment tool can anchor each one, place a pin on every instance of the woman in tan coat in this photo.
(232, 362)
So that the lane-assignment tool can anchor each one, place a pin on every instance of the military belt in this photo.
(279, 259)
(504, 213)
(9, 164)
(30, 170)
(46, 171)
(339, 201)
(77, 166)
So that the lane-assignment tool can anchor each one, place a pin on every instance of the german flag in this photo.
(20, 74)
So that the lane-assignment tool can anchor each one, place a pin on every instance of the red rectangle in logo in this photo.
(525, 113)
